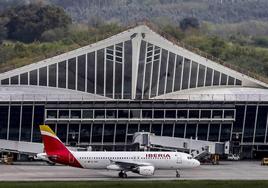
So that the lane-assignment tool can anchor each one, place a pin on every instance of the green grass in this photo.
(139, 184)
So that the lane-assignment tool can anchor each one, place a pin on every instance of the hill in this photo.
(243, 44)
(129, 11)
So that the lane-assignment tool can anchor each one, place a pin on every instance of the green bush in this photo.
(54, 34)
(27, 23)
(261, 41)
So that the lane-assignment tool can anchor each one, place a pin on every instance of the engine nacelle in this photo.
(145, 170)
(114, 167)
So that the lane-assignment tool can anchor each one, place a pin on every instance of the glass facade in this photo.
(214, 130)
(202, 132)
(81, 73)
(193, 77)
(33, 77)
(85, 133)
(161, 72)
(100, 72)
(114, 126)
(38, 119)
(14, 122)
(62, 74)
(4, 114)
(26, 123)
(162, 75)
(71, 73)
(127, 63)
(14, 80)
(262, 118)
(24, 79)
(52, 70)
(43, 76)
(249, 124)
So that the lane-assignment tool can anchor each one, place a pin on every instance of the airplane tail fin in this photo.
(51, 142)
(55, 149)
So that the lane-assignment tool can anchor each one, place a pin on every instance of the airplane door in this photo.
(179, 160)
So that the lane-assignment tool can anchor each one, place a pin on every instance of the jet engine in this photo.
(145, 170)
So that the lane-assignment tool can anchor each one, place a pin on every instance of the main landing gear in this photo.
(122, 174)
(178, 173)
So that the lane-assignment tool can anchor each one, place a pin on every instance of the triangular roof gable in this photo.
(169, 43)
(137, 35)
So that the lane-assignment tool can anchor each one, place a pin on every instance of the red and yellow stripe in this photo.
(55, 149)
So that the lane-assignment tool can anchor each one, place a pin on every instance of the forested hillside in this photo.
(126, 11)
(235, 31)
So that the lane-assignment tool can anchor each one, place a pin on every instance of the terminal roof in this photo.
(219, 94)
(39, 93)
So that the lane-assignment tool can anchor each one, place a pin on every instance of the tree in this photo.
(3, 29)
(189, 22)
(28, 22)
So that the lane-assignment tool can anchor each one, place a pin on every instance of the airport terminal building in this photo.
(137, 80)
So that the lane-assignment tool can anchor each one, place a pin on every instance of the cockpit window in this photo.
(189, 157)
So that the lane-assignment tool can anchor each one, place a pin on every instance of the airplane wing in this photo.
(129, 165)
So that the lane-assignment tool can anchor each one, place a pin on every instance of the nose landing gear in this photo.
(178, 173)
(122, 174)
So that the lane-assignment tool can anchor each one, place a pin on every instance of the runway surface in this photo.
(42, 172)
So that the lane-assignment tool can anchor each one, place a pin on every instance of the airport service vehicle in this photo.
(43, 157)
(233, 157)
(143, 163)
(264, 161)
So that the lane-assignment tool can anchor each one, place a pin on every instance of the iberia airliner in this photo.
(143, 163)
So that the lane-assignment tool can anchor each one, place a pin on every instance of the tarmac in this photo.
(39, 171)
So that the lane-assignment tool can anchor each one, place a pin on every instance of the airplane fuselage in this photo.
(160, 160)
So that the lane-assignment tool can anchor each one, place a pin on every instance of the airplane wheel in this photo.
(120, 174)
(51, 163)
(178, 174)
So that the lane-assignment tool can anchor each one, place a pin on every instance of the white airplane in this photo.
(143, 163)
